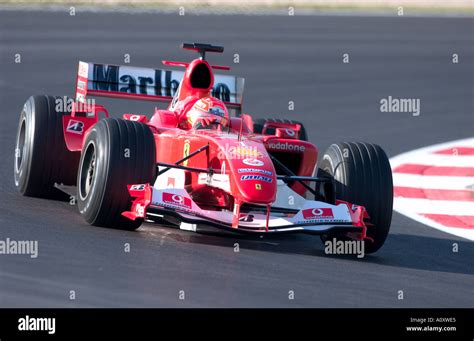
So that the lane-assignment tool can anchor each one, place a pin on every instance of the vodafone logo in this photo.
(318, 213)
(253, 162)
(290, 132)
(177, 200)
(135, 117)
(290, 147)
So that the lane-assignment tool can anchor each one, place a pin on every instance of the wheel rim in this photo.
(88, 171)
(20, 146)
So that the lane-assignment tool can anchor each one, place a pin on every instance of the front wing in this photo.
(308, 216)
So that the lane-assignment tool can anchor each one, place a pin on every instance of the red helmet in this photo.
(208, 113)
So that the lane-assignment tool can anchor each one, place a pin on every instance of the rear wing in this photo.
(147, 84)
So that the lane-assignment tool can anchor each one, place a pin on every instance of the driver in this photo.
(206, 113)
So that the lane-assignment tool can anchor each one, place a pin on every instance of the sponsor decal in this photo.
(224, 90)
(253, 162)
(217, 111)
(139, 187)
(318, 214)
(133, 80)
(239, 152)
(245, 151)
(289, 147)
(140, 210)
(81, 85)
(203, 104)
(310, 221)
(255, 170)
(256, 177)
(290, 132)
(83, 69)
(186, 148)
(76, 127)
(258, 187)
(177, 200)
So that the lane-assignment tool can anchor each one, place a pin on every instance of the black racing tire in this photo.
(363, 177)
(41, 156)
(259, 123)
(116, 153)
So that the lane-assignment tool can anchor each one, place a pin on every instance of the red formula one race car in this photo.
(201, 162)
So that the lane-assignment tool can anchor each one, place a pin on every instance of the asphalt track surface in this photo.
(283, 59)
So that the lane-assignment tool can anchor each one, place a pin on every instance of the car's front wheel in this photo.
(363, 177)
(116, 153)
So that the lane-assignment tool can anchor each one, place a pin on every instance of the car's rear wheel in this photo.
(363, 177)
(41, 156)
(116, 153)
(259, 123)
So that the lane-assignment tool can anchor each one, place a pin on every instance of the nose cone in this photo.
(254, 177)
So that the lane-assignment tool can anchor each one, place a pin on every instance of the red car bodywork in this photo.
(247, 159)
